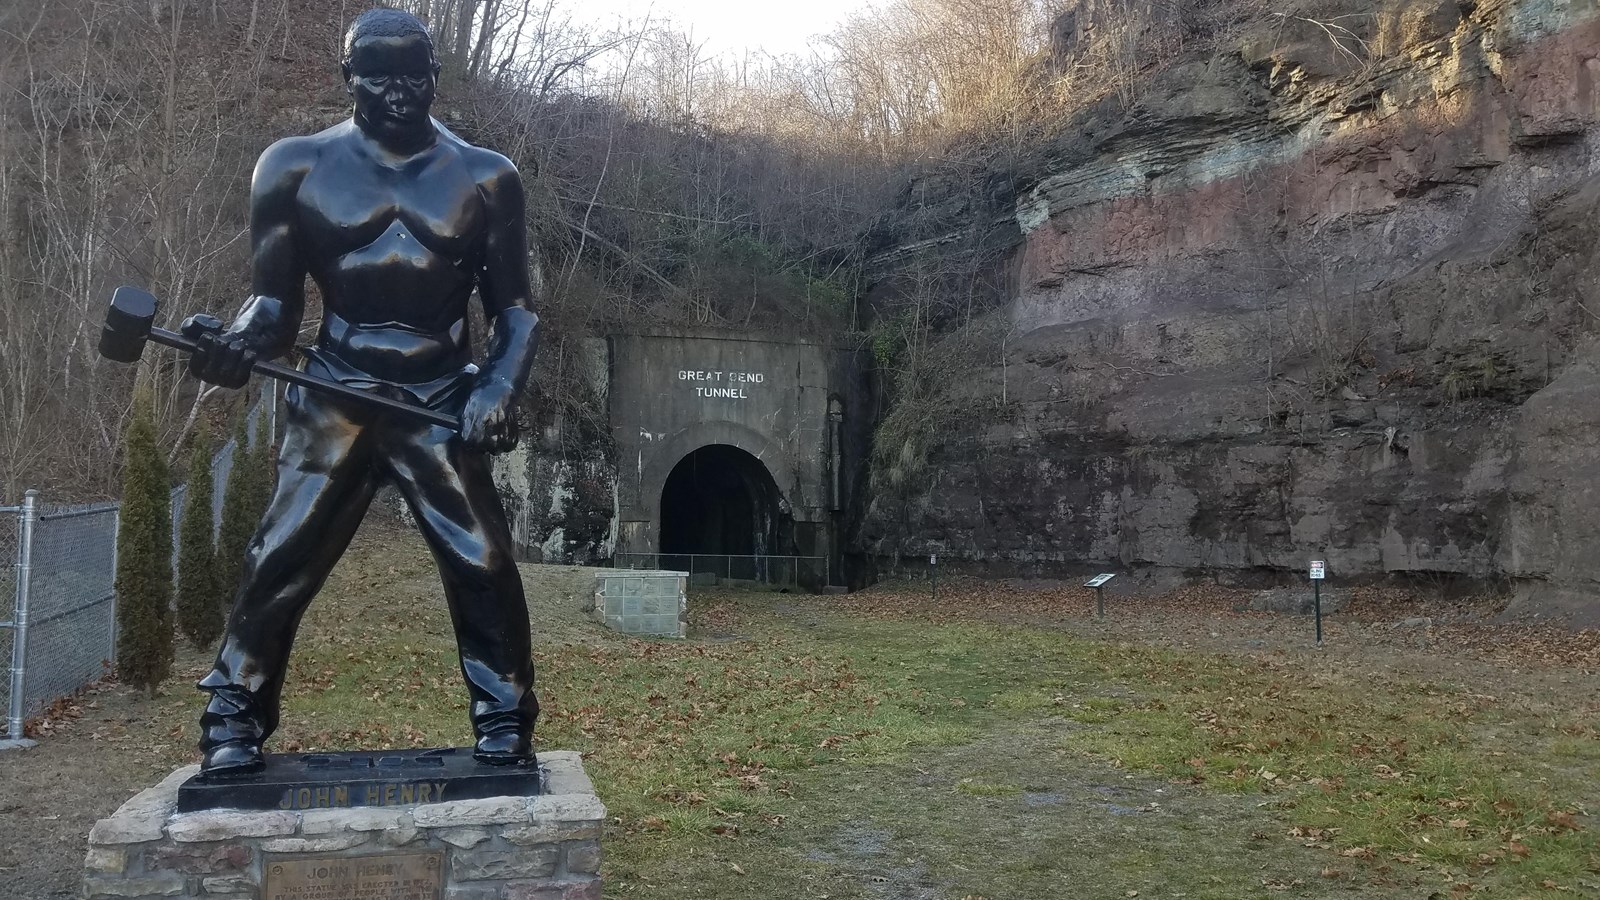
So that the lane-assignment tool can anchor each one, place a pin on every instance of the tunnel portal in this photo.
(722, 513)
(731, 447)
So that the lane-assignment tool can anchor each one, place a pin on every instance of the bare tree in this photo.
(122, 163)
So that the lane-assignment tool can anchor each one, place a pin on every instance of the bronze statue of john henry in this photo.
(397, 221)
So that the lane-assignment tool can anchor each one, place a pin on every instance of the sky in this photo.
(732, 26)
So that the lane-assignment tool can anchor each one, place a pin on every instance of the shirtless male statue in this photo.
(397, 220)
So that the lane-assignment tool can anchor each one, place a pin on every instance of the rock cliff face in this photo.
(1317, 297)
(559, 486)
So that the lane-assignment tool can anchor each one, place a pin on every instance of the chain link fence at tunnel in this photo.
(805, 572)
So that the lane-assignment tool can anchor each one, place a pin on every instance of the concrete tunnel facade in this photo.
(719, 435)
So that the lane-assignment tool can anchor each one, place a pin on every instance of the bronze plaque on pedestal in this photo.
(389, 876)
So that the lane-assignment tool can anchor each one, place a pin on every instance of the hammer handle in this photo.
(295, 376)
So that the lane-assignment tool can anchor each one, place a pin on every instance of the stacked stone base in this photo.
(503, 848)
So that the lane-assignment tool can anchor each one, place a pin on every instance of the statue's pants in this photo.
(333, 459)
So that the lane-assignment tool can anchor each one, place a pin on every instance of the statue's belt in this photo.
(432, 368)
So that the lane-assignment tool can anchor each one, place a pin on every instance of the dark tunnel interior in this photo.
(721, 500)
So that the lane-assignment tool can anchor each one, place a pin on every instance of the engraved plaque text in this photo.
(390, 876)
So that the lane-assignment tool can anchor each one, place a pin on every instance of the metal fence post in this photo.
(19, 617)
(116, 532)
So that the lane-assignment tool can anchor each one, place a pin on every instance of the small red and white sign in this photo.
(1319, 570)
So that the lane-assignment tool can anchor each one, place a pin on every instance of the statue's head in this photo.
(390, 71)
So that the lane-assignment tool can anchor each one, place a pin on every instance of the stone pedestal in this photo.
(545, 847)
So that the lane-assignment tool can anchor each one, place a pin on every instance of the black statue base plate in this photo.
(300, 781)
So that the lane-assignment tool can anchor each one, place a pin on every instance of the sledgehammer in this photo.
(130, 324)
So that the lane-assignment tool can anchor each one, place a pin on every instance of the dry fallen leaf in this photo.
(1562, 820)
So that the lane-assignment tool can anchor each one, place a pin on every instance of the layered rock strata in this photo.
(1314, 297)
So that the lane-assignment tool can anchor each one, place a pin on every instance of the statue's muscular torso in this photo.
(394, 245)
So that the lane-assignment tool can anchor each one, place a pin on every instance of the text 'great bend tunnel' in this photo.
(721, 501)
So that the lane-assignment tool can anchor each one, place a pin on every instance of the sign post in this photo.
(1099, 584)
(1319, 571)
(933, 571)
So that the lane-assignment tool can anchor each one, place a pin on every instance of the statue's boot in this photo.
(505, 748)
(505, 737)
(232, 730)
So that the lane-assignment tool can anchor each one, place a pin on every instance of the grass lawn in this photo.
(815, 747)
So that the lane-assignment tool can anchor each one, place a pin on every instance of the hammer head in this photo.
(128, 323)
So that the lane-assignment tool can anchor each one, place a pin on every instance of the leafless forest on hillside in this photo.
(666, 185)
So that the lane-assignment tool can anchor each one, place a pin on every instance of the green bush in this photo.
(144, 557)
(199, 610)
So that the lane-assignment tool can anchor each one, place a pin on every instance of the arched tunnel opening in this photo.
(722, 514)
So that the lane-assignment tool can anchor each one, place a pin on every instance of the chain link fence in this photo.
(806, 572)
(72, 611)
(58, 609)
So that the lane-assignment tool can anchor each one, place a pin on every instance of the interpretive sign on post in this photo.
(1099, 584)
(1319, 571)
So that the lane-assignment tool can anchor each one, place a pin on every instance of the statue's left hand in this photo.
(489, 421)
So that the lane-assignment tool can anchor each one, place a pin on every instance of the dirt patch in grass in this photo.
(1017, 814)
(880, 747)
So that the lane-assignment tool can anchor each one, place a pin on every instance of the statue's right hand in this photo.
(220, 358)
